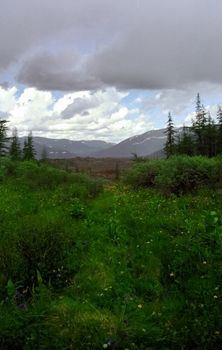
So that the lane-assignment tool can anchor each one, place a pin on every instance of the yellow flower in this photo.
(140, 306)
(215, 296)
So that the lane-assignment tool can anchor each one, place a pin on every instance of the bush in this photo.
(178, 174)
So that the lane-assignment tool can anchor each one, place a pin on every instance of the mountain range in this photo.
(149, 144)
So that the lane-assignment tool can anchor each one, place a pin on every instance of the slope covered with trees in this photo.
(204, 137)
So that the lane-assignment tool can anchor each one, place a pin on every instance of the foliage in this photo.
(28, 149)
(170, 133)
(204, 136)
(3, 137)
(14, 150)
(83, 268)
(178, 174)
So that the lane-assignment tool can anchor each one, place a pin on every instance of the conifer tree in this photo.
(185, 144)
(28, 149)
(198, 127)
(219, 131)
(15, 150)
(3, 138)
(210, 136)
(169, 148)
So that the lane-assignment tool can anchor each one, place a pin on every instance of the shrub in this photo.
(178, 174)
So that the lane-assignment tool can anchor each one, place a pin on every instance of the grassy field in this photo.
(88, 264)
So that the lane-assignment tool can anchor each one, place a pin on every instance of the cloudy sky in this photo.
(107, 69)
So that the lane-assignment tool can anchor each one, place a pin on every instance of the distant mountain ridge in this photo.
(63, 148)
(144, 145)
(150, 144)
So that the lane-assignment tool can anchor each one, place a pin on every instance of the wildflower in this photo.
(217, 332)
(171, 274)
(140, 306)
(17, 295)
(105, 346)
(21, 306)
(215, 296)
(111, 342)
(204, 262)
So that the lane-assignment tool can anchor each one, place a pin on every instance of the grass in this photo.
(89, 268)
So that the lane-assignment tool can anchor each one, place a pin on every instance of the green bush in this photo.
(178, 174)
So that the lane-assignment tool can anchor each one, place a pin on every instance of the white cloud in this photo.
(31, 110)
(7, 99)
(99, 115)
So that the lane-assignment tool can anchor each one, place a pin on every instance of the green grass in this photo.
(112, 268)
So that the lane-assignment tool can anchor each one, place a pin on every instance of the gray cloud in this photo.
(60, 71)
(80, 106)
(4, 85)
(180, 101)
(143, 44)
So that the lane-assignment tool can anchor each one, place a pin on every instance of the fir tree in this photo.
(219, 131)
(28, 149)
(185, 144)
(3, 138)
(169, 148)
(15, 150)
(210, 136)
(198, 127)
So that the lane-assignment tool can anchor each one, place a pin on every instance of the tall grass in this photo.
(83, 268)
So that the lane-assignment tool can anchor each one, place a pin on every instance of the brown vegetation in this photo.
(109, 168)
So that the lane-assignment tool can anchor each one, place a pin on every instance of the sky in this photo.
(108, 70)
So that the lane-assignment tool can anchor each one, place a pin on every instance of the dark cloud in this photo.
(48, 71)
(4, 85)
(143, 44)
(80, 106)
(85, 113)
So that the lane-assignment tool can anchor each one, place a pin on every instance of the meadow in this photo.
(88, 263)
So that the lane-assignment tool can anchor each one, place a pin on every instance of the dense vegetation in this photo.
(203, 137)
(86, 265)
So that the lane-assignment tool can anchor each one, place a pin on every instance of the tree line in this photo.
(11, 146)
(203, 137)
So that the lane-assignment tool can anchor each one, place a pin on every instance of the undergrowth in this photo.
(119, 268)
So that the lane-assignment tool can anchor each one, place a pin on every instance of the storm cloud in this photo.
(87, 45)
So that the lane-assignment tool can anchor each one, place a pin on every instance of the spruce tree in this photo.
(28, 149)
(210, 136)
(185, 144)
(198, 127)
(219, 131)
(15, 150)
(169, 148)
(3, 138)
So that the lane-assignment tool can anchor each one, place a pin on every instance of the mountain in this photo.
(64, 148)
(151, 143)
